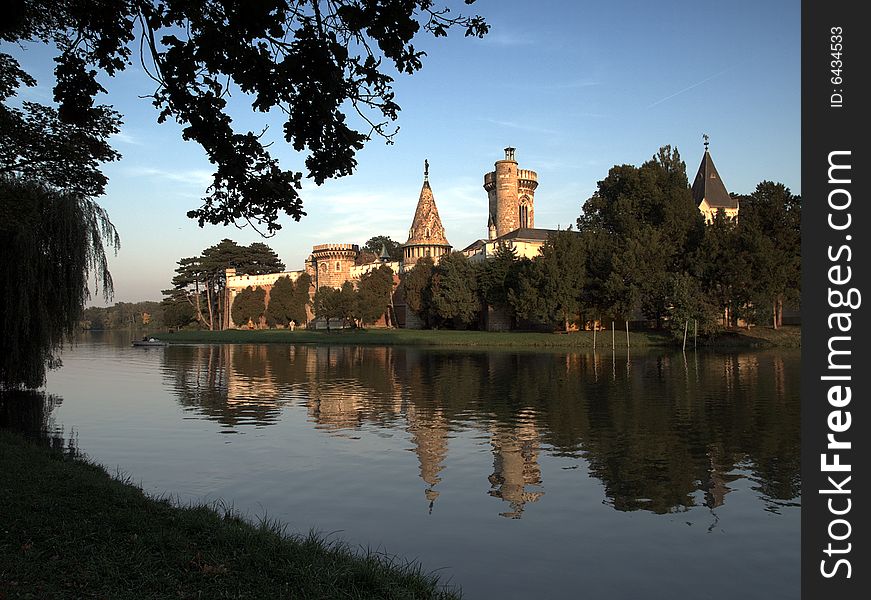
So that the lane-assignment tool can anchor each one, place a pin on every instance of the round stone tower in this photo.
(330, 264)
(511, 192)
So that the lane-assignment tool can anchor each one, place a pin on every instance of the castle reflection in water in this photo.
(662, 432)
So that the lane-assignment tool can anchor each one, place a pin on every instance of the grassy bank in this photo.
(758, 337)
(71, 531)
(788, 336)
(418, 337)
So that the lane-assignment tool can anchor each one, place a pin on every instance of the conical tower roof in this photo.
(426, 228)
(709, 186)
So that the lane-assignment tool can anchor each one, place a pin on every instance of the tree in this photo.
(772, 216)
(51, 242)
(52, 232)
(249, 305)
(313, 61)
(721, 266)
(417, 288)
(376, 243)
(327, 304)
(348, 307)
(560, 270)
(492, 276)
(375, 291)
(455, 291)
(202, 279)
(177, 312)
(301, 298)
(654, 230)
(281, 299)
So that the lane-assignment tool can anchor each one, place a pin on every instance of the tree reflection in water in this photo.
(662, 432)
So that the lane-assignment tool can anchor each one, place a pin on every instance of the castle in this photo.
(510, 223)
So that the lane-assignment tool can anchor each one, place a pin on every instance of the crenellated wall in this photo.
(330, 264)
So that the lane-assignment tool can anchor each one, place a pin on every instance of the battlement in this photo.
(335, 248)
(527, 175)
(489, 180)
(240, 282)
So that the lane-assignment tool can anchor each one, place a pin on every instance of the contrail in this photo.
(686, 89)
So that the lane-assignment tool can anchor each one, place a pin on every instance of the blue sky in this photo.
(576, 87)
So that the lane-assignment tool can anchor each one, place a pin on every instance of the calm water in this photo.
(516, 474)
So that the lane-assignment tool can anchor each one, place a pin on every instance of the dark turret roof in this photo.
(709, 186)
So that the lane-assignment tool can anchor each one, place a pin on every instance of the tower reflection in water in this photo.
(661, 432)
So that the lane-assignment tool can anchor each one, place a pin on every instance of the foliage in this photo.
(327, 304)
(301, 298)
(288, 301)
(52, 232)
(177, 312)
(454, 295)
(51, 242)
(492, 276)
(201, 279)
(690, 310)
(375, 291)
(249, 305)
(771, 222)
(643, 228)
(417, 288)
(559, 279)
(314, 62)
(127, 314)
(348, 307)
(280, 307)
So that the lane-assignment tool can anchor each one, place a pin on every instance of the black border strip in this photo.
(835, 245)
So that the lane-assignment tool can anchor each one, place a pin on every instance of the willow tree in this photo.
(52, 245)
(51, 230)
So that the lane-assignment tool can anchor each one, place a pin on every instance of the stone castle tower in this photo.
(330, 264)
(426, 237)
(512, 197)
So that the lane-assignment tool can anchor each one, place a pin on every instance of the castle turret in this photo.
(330, 264)
(511, 193)
(709, 191)
(426, 237)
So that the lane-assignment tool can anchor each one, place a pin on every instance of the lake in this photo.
(513, 474)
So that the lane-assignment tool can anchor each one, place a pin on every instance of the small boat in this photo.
(150, 342)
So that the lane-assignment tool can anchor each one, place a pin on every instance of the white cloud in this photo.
(196, 177)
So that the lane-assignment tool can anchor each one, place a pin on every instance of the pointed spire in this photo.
(709, 186)
(385, 255)
(426, 228)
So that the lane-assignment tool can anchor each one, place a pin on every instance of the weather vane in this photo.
(705, 136)
(425, 170)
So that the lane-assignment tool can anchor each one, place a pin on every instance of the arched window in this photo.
(338, 266)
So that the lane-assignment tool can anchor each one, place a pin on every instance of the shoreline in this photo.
(756, 338)
(72, 530)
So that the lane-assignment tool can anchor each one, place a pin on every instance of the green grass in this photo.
(788, 336)
(69, 530)
(419, 337)
(757, 337)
